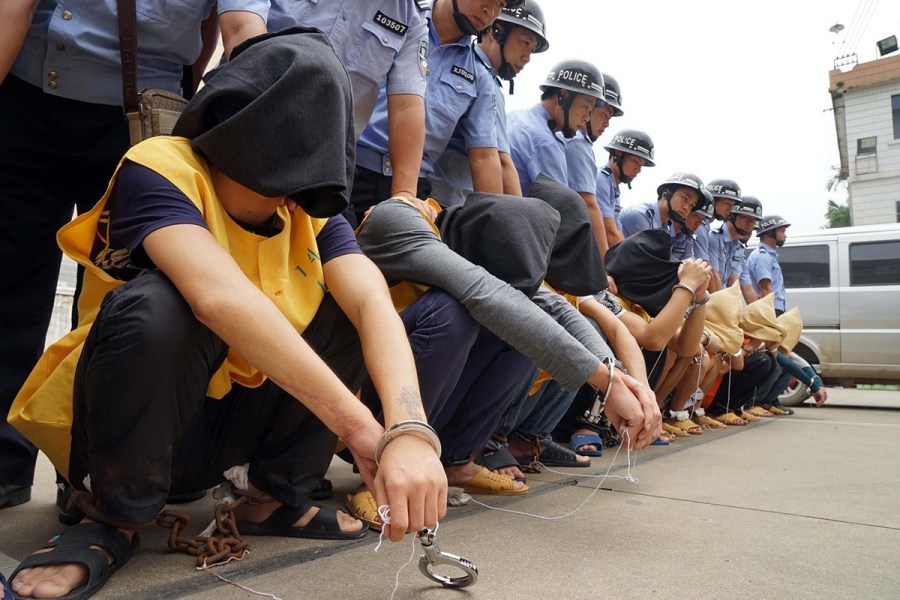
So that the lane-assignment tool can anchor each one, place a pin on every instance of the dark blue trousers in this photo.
(467, 375)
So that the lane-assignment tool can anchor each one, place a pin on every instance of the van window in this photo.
(805, 266)
(875, 263)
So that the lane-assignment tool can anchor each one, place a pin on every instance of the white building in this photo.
(866, 102)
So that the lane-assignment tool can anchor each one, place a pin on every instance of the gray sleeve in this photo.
(574, 322)
(401, 243)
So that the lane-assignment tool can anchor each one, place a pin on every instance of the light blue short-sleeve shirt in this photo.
(534, 147)
(684, 246)
(607, 191)
(380, 43)
(581, 164)
(640, 217)
(451, 180)
(726, 255)
(763, 264)
(72, 48)
(701, 241)
(459, 93)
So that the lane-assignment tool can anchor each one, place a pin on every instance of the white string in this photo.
(628, 477)
(694, 401)
(384, 512)
(208, 569)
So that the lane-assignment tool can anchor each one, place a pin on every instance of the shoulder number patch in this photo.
(392, 25)
(460, 72)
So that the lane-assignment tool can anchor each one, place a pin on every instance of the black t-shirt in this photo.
(144, 201)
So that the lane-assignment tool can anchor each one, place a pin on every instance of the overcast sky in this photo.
(725, 89)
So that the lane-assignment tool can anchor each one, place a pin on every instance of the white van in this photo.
(846, 282)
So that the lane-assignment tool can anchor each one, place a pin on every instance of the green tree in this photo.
(838, 215)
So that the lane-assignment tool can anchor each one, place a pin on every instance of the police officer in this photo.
(374, 40)
(676, 198)
(685, 245)
(764, 269)
(459, 92)
(580, 158)
(568, 95)
(62, 133)
(629, 151)
(726, 248)
(726, 193)
(514, 36)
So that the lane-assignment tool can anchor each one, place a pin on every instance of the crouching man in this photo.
(225, 319)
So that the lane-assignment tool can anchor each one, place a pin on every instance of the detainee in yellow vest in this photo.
(258, 294)
(38, 411)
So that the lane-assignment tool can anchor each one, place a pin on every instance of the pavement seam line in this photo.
(750, 508)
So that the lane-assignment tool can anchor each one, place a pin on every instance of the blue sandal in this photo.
(586, 439)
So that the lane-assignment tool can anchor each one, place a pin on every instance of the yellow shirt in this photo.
(285, 267)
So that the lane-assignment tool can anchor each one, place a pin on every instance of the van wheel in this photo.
(794, 394)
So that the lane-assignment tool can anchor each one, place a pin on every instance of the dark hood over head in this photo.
(278, 120)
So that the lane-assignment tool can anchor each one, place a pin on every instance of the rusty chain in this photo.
(210, 550)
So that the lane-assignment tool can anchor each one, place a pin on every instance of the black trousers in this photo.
(747, 385)
(144, 428)
(55, 155)
(370, 188)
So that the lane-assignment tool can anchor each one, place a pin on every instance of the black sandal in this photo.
(323, 526)
(74, 545)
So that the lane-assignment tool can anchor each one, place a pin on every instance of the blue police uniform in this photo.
(72, 48)
(763, 264)
(701, 240)
(639, 217)
(684, 246)
(459, 93)
(534, 147)
(581, 164)
(607, 191)
(725, 254)
(451, 181)
(744, 276)
(381, 43)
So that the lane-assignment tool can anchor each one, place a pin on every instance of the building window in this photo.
(866, 145)
(876, 263)
(898, 211)
(895, 112)
(805, 266)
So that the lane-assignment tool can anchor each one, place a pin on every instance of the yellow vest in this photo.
(285, 267)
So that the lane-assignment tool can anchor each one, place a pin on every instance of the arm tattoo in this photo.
(410, 399)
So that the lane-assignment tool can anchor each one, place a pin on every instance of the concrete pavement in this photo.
(794, 507)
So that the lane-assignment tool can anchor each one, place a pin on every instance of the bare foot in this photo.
(259, 512)
(460, 474)
(55, 581)
(512, 472)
